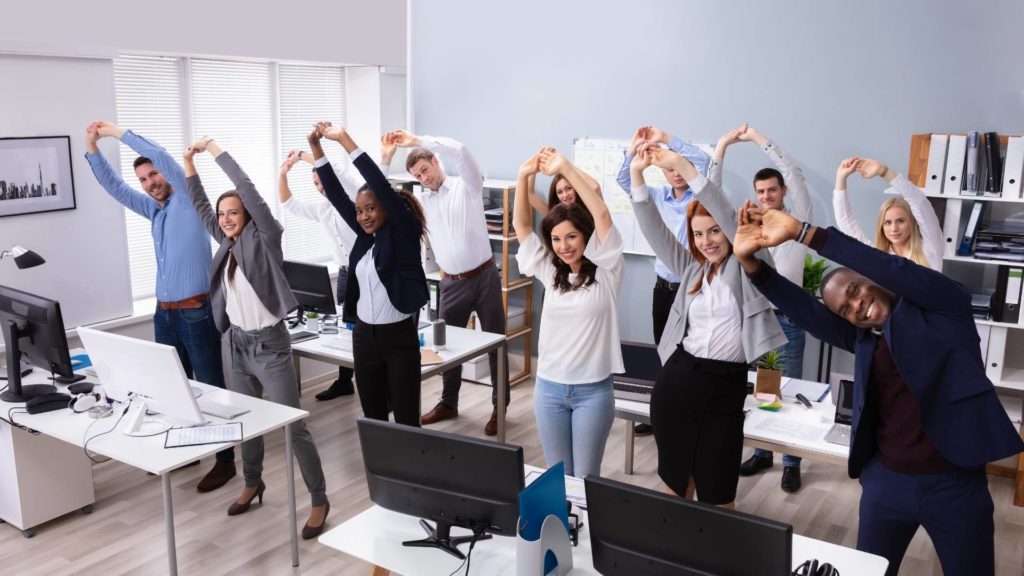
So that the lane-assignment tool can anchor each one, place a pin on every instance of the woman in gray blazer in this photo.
(717, 325)
(250, 300)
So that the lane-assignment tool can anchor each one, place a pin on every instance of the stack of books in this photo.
(494, 218)
(1000, 241)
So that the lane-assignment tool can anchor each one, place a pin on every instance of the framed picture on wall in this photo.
(35, 175)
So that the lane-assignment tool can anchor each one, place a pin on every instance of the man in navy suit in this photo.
(926, 419)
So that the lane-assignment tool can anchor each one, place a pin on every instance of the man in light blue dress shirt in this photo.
(183, 318)
(671, 201)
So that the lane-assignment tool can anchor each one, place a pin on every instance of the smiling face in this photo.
(709, 239)
(564, 191)
(152, 181)
(896, 226)
(369, 213)
(428, 173)
(675, 180)
(856, 299)
(568, 243)
(770, 193)
(231, 216)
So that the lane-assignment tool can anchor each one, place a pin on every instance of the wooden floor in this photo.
(125, 533)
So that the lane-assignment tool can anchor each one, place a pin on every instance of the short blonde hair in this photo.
(916, 253)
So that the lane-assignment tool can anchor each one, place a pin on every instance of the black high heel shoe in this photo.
(235, 509)
(310, 532)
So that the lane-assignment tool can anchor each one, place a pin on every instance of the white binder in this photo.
(1013, 168)
(951, 227)
(936, 164)
(955, 165)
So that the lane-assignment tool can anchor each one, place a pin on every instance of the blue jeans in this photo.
(793, 356)
(194, 335)
(574, 421)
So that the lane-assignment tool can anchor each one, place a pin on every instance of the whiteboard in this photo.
(601, 159)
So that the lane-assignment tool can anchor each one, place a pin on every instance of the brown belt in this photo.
(471, 273)
(190, 303)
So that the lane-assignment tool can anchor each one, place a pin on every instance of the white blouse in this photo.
(374, 306)
(714, 326)
(243, 305)
(579, 334)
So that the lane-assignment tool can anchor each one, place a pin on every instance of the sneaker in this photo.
(339, 388)
(791, 479)
(440, 412)
(491, 428)
(755, 464)
(217, 477)
(643, 430)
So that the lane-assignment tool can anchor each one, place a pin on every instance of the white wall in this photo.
(86, 256)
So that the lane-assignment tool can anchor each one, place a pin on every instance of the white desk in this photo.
(793, 430)
(462, 345)
(149, 453)
(376, 535)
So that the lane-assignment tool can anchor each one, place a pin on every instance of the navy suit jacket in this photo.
(396, 245)
(934, 343)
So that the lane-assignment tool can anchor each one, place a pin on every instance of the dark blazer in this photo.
(935, 346)
(396, 245)
(257, 248)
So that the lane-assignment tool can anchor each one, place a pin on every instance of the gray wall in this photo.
(827, 80)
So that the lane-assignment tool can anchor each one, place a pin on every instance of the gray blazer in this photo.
(760, 330)
(257, 249)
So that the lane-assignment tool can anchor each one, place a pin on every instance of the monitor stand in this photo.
(64, 380)
(139, 425)
(441, 538)
(16, 393)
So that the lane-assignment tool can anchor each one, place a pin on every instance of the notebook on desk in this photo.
(642, 366)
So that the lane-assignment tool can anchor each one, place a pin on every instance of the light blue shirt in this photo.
(672, 209)
(180, 241)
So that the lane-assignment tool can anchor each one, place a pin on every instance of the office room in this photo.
(881, 84)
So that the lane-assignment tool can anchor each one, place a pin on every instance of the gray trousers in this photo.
(261, 361)
(459, 298)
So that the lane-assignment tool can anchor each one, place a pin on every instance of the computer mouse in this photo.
(47, 403)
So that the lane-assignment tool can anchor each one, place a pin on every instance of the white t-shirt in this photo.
(579, 338)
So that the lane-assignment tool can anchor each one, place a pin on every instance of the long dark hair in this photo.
(581, 219)
(553, 194)
(410, 202)
(232, 263)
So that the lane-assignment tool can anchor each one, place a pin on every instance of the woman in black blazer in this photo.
(390, 286)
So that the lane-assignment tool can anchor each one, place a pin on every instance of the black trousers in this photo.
(662, 303)
(387, 358)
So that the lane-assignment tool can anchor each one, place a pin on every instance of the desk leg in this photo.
(502, 389)
(378, 571)
(628, 468)
(297, 361)
(289, 469)
(172, 552)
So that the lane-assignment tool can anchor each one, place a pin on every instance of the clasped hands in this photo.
(758, 228)
(547, 161)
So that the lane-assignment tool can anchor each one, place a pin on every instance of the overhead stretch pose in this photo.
(926, 419)
(250, 301)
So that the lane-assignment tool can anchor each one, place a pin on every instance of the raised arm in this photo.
(449, 149)
(924, 213)
(522, 218)
(539, 203)
(261, 214)
(197, 194)
(797, 197)
(706, 192)
(116, 187)
(553, 162)
(664, 243)
(841, 202)
(347, 174)
(161, 158)
(624, 177)
(718, 160)
(333, 188)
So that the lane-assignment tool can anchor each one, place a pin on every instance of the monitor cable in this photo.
(86, 438)
(478, 531)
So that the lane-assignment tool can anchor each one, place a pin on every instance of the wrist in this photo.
(802, 234)
(883, 172)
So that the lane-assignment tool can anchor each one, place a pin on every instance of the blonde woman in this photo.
(907, 224)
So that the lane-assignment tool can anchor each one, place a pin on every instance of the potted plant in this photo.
(769, 374)
(814, 270)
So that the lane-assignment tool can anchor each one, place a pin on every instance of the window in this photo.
(257, 111)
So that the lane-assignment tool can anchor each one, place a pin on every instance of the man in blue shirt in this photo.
(183, 318)
(671, 201)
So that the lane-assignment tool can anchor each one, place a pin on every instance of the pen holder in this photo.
(439, 336)
(531, 554)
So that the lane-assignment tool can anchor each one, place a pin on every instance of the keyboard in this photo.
(302, 336)
(219, 410)
(839, 434)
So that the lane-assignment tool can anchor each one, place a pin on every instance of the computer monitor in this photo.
(32, 325)
(311, 285)
(127, 366)
(634, 530)
(450, 479)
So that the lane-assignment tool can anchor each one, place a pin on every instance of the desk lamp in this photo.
(23, 258)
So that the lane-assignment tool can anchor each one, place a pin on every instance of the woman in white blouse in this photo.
(578, 259)
(907, 224)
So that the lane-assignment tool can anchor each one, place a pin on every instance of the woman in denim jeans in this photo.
(578, 259)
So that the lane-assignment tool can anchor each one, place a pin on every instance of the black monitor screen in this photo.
(450, 479)
(40, 337)
(311, 285)
(844, 403)
(639, 531)
(641, 361)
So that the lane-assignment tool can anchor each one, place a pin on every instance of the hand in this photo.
(746, 133)
(749, 237)
(847, 167)
(200, 145)
(289, 162)
(551, 161)
(663, 157)
(657, 135)
(870, 168)
(315, 135)
(731, 137)
(404, 139)
(778, 227)
(531, 166)
(190, 153)
(388, 145)
(642, 158)
(92, 135)
(108, 129)
(330, 131)
(639, 137)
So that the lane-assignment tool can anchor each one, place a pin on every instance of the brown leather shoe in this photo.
(217, 477)
(491, 428)
(440, 412)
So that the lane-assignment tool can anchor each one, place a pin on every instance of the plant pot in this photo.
(768, 382)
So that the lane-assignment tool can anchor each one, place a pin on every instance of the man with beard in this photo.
(182, 248)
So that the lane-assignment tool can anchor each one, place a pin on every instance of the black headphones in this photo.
(812, 568)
